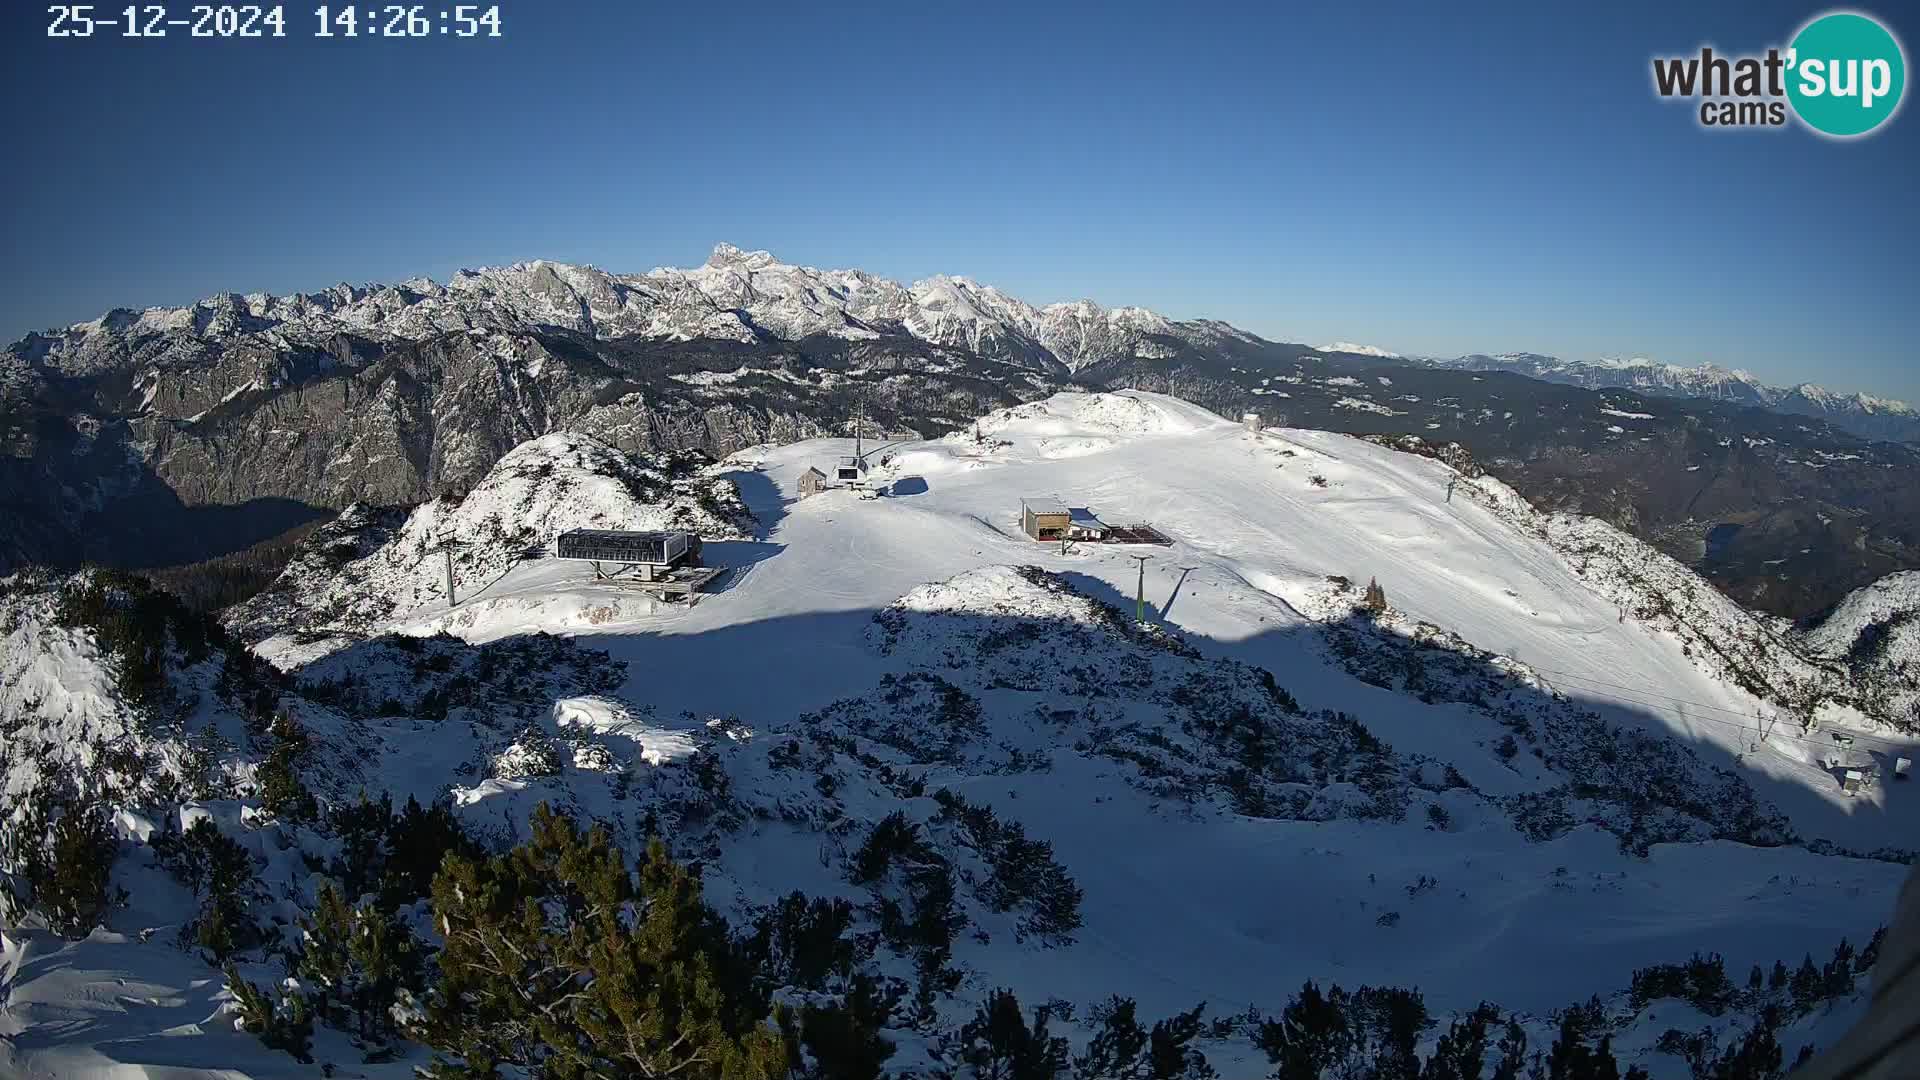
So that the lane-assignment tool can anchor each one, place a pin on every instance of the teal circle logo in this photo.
(1845, 74)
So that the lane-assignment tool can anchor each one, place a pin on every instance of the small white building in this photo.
(1082, 525)
(850, 470)
(1251, 421)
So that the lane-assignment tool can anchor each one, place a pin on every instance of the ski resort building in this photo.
(1053, 520)
(1045, 519)
(1082, 525)
(812, 482)
(1251, 421)
(649, 555)
(850, 470)
(664, 564)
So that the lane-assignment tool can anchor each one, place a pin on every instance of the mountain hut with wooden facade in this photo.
(1045, 519)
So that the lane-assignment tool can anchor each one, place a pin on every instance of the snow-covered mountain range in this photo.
(736, 295)
(1353, 349)
(1552, 766)
(1863, 414)
(171, 436)
(749, 296)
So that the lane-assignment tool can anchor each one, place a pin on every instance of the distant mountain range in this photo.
(750, 296)
(165, 436)
(1862, 414)
(741, 296)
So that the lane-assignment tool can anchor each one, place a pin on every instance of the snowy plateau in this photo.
(1552, 758)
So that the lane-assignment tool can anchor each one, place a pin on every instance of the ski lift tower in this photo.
(1140, 596)
(852, 471)
(445, 550)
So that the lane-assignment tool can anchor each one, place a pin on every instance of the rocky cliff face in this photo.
(123, 464)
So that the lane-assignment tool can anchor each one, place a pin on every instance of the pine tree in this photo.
(841, 1042)
(1807, 984)
(359, 960)
(1694, 1048)
(1391, 1021)
(66, 849)
(1870, 953)
(282, 1022)
(1836, 978)
(1121, 1049)
(1513, 1052)
(997, 1044)
(1708, 988)
(1754, 1056)
(393, 854)
(1603, 1066)
(1311, 1035)
(221, 873)
(385, 961)
(1570, 1058)
(558, 964)
(1461, 1052)
(362, 827)
(803, 943)
(324, 963)
(281, 791)
(1116, 1046)
(418, 840)
(1375, 599)
(1170, 1051)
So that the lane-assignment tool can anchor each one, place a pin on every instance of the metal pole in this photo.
(1140, 594)
(448, 553)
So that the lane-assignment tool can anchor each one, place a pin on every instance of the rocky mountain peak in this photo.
(725, 254)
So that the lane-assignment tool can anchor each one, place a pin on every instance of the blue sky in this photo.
(1431, 178)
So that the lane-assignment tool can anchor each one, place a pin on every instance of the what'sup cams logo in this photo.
(1843, 75)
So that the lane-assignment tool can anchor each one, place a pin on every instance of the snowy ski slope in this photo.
(1182, 903)
(1256, 538)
